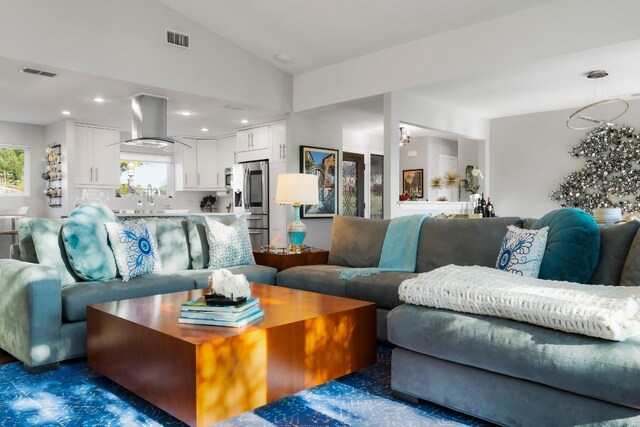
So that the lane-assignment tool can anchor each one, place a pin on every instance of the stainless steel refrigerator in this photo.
(255, 200)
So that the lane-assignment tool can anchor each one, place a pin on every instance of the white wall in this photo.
(31, 136)
(312, 129)
(124, 40)
(437, 147)
(529, 159)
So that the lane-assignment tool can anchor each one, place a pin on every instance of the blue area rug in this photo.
(75, 395)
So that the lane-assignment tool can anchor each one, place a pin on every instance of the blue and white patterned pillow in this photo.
(229, 245)
(134, 248)
(522, 251)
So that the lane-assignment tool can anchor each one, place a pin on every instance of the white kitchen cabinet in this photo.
(207, 164)
(201, 167)
(253, 139)
(278, 142)
(97, 156)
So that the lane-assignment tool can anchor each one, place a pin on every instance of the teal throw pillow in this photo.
(85, 239)
(50, 251)
(229, 245)
(521, 251)
(573, 245)
(134, 248)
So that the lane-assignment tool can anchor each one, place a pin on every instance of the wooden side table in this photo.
(282, 261)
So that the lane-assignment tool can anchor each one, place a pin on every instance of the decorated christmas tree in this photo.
(610, 177)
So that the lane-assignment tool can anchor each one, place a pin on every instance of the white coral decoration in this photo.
(477, 173)
(223, 282)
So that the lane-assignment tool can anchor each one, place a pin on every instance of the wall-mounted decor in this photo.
(412, 182)
(321, 162)
(610, 177)
(53, 175)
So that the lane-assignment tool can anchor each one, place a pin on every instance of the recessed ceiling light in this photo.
(98, 99)
(205, 129)
(244, 121)
(66, 113)
(186, 113)
(284, 57)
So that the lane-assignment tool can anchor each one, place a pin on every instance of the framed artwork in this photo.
(412, 180)
(323, 163)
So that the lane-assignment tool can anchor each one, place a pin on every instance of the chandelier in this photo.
(405, 138)
(598, 113)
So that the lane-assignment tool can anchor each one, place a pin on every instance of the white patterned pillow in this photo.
(522, 251)
(229, 245)
(134, 248)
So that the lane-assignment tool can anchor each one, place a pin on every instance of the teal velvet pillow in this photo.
(171, 237)
(25, 241)
(134, 248)
(573, 245)
(49, 248)
(229, 245)
(85, 240)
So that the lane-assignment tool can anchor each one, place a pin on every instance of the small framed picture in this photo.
(321, 162)
(412, 182)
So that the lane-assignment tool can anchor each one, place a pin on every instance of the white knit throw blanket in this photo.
(609, 312)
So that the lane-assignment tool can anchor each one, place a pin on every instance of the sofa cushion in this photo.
(631, 270)
(315, 278)
(576, 363)
(357, 242)
(573, 245)
(47, 240)
(85, 240)
(25, 241)
(380, 288)
(461, 241)
(522, 250)
(198, 245)
(75, 297)
(615, 241)
(134, 248)
(171, 237)
(253, 273)
(229, 245)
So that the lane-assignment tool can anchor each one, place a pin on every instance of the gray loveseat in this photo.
(43, 322)
(505, 371)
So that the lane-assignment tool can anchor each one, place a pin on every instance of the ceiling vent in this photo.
(233, 107)
(178, 39)
(38, 72)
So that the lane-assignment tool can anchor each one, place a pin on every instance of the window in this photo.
(14, 170)
(139, 171)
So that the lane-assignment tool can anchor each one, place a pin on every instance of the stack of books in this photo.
(197, 312)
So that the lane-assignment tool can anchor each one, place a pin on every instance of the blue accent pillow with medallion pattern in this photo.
(134, 248)
(522, 251)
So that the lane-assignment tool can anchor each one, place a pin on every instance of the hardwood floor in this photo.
(6, 357)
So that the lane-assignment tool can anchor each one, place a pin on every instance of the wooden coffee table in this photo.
(203, 374)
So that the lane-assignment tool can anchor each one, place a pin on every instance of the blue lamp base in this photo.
(296, 229)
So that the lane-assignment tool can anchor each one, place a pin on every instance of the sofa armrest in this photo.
(30, 312)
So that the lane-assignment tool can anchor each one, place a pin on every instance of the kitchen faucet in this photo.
(150, 203)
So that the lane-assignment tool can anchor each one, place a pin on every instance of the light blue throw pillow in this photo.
(171, 238)
(573, 245)
(85, 239)
(522, 251)
(134, 248)
(49, 247)
(229, 245)
(25, 241)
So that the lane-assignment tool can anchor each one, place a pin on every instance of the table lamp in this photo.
(297, 189)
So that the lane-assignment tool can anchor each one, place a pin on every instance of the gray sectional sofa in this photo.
(504, 371)
(43, 322)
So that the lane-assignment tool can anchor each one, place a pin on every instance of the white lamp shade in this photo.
(298, 188)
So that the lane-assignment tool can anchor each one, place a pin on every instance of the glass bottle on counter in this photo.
(489, 209)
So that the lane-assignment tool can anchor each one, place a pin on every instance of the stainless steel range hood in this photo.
(149, 122)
